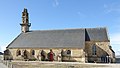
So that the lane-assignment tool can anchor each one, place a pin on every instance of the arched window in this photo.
(43, 55)
(94, 50)
(18, 52)
(32, 52)
(69, 52)
(25, 54)
(62, 53)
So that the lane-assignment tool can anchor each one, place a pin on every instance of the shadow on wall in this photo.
(64, 56)
(47, 56)
(29, 55)
(7, 55)
(101, 56)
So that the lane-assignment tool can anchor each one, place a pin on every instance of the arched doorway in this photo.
(32, 52)
(51, 55)
(25, 54)
(66, 55)
(62, 55)
(18, 52)
(105, 59)
(43, 55)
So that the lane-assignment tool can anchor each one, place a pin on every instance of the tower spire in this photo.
(25, 21)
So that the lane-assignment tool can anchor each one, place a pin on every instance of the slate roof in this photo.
(66, 38)
(50, 39)
(96, 34)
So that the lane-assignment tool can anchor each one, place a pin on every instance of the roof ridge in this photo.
(58, 29)
(97, 28)
(68, 29)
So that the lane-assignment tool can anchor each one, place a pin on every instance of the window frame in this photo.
(32, 52)
(94, 50)
(18, 52)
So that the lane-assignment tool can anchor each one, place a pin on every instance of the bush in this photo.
(32, 59)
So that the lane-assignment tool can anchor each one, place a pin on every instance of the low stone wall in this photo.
(7, 63)
(37, 64)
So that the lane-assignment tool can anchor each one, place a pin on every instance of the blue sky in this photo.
(60, 14)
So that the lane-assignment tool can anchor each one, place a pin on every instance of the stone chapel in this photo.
(62, 45)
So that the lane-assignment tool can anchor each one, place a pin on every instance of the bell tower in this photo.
(25, 21)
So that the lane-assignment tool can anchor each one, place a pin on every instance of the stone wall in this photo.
(102, 48)
(76, 53)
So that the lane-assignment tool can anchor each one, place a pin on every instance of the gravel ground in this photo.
(3, 65)
(38, 64)
(62, 65)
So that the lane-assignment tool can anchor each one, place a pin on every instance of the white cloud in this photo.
(115, 42)
(81, 15)
(2, 48)
(114, 7)
(115, 38)
(55, 3)
(117, 53)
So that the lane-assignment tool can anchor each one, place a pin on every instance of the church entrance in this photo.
(105, 59)
(51, 55)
